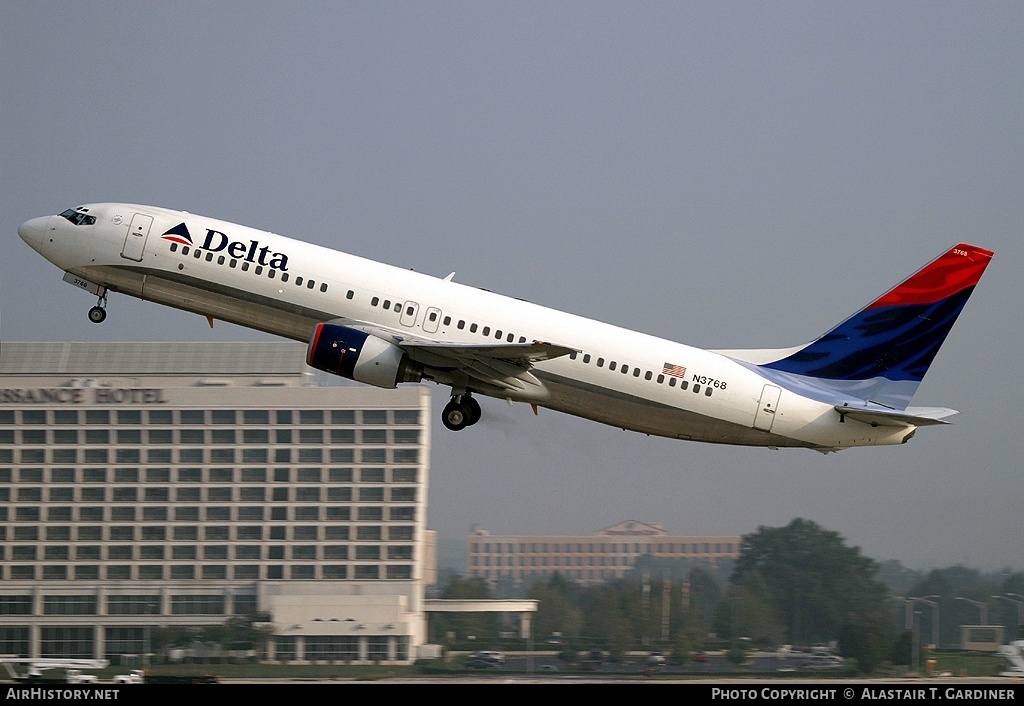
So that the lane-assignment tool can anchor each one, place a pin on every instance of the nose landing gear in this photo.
(463, 411)
(98, 313)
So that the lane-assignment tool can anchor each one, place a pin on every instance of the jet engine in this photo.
(360, 356)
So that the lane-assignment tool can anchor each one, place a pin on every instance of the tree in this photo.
(869, 642)
(748, 614)
(464, 625)
(555, 611)
(610, 616)
(903, 650)
(814, 581)
(705, 592)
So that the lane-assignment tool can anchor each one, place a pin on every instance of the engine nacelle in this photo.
(360, 356)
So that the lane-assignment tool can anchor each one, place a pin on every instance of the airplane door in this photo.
(767, 407)
(409, 311)
(135, 241)
(431, 320)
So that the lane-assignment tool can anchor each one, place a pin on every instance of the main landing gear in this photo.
(98, 313)
(463, 411)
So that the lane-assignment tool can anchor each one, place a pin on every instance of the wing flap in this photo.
(515, 353)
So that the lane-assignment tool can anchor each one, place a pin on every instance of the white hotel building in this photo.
(149, 485)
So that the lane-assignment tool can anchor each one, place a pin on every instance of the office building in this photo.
(607, 554)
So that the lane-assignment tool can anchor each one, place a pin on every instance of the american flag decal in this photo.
(674, 370)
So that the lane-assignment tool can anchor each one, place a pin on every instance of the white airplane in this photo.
(384, 325)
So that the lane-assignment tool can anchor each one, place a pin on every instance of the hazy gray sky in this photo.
(722, 174)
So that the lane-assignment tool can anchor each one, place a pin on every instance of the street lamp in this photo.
(911, 600)
(935, 616)
(978, 604)
(1020, 607)
(936, 634)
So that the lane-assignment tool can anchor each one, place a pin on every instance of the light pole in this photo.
(936, 633)
(911, 600)
(915, 641)
(1020, 609)
(908, 613)
(978, 604)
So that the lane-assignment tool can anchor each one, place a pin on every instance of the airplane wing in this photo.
(503, 365)
(912, 416)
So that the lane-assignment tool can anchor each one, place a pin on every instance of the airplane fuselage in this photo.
(287, 287)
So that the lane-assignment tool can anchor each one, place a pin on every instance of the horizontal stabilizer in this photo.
(912, 416)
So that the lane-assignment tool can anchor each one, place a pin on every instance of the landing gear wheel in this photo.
(473, 410)
(455, 416)
(97, 314)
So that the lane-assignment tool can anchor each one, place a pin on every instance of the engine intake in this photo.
(360, 356)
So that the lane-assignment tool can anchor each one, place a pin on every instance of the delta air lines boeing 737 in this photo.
(383, 325)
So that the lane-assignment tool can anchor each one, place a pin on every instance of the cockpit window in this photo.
(79, 218)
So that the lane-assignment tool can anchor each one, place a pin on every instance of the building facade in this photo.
(605, 555)
(147, 485)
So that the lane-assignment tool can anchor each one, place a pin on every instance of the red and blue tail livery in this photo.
(887, 347)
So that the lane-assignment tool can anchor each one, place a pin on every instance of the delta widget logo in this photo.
(178, 234)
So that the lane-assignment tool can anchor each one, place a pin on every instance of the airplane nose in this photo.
(33, 230)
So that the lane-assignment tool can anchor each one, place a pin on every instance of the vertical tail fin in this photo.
(882, 352)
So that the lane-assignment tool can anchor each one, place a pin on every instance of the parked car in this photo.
(136, 676)
(655, 659)
(489, 656)
(75, 676)
(821, 661)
